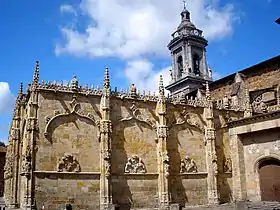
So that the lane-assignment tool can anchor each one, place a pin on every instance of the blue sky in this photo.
(83, 37)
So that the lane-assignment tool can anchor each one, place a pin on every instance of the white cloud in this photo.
(142, 73)
(66, 8)
(6, 98)
(132, 28)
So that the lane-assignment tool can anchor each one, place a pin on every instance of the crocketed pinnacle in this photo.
(106, 82)
(74, 83)
(20, 91)
(207, 90)
(161, 87)
(36, 74)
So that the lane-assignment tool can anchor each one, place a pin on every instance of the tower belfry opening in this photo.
(188, 51)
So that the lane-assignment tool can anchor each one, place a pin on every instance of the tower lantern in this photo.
(188, 52)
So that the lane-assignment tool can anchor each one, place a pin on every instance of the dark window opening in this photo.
(196, 65)
(68, 207)
(180, 65)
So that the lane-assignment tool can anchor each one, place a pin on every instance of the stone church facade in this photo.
(207, 143)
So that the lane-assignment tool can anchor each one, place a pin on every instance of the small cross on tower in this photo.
(185, 4)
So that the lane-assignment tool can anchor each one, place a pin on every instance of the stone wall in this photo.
(259, 78)
(91, 151)
(257, 147)
(2, 164)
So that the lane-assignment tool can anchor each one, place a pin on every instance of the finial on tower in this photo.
(36, 74)
(185, 4)
(106, 82)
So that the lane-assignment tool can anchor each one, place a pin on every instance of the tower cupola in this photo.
(188, 51)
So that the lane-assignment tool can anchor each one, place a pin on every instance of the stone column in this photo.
(238, 168)
(184, 59)
(14, 202)
(211, 156)
(163, 158)
(204, 66)
(28, 155)
(15, 152)
(174, 67)
(190, 57)
(105, 129)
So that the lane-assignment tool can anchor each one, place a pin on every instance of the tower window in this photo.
(196, 66)
(180, 64)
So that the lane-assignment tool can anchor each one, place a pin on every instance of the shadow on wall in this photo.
(120, 190)
(177, 191)
(224, 186)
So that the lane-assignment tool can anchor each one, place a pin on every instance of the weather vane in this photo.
(185, 4)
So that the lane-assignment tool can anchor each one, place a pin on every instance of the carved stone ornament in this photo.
(162, 131)
(259, 105)
(254, 148)
(188, 165)
(68, 163)
(227, 165)
(107, 164)
(32, 124)
(132, 91)
(276, 145)
(135, 165)
(47, 119)
(26, 162)
(15, 134)
(75, 109)
(137, 115)
(185, 117)
(166, 163)
(214, 162)
(105, 126)
(8, 168)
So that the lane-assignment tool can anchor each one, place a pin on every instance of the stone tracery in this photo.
(75, 109)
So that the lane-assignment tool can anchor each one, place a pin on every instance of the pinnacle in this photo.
(36, 73)
(21, 88)
(106, 82)
(161, 87)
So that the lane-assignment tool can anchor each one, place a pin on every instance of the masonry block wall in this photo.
(67, 154)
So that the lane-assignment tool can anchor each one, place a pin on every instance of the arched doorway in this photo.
(269, 172)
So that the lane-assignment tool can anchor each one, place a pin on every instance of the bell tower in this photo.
(188, 51)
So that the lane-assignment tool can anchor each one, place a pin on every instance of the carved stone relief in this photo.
(188, 165)
(259, 105)
(276, 145)
(26, 162)
(135, 165)
(254, 148)
(227, 165)
(68, 163)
